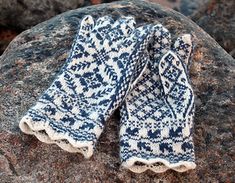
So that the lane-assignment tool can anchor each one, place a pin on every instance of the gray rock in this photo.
(32, 60)
(190, 7)
(23, 14)
(217, 18)
(186, 7)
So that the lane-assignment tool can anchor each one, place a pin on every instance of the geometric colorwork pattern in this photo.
(157, 115)
(93, 82)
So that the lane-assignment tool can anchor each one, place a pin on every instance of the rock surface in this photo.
(217, 18)
(186, 7)
(32, 60)
(23, 14)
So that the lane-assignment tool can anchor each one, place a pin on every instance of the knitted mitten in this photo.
(157, 115)
(91, 85)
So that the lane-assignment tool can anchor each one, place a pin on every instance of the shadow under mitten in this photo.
(157, 115)
(93, 82)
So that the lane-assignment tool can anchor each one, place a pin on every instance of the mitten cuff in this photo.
(158, 165)
(69, 139)
(170, 149)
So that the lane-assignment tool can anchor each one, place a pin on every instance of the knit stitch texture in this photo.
(114, 64)
(157, 115)
(92, 84)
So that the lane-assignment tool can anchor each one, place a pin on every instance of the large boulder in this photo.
(33, 59)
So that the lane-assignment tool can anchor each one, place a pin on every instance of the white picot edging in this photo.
(45, 133)
(157, 165)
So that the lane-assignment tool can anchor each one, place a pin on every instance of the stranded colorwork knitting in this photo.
(113, 64)
(157, 115)
(94, 81)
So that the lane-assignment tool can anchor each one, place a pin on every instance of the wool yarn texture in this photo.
(112, 64)
(157, 115)
(94, 81)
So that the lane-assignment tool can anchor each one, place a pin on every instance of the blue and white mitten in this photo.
(157, 115)
(94, 81)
